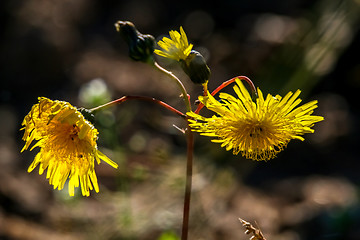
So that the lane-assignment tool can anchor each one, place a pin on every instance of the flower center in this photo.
(256, 131)
(74, 131)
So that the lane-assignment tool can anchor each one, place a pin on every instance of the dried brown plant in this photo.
(250, 229)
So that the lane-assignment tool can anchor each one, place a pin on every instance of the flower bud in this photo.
(196, 68)
(141, 46)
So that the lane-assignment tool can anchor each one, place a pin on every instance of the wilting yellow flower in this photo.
(176, 48)
(259, 130)
(67, 144)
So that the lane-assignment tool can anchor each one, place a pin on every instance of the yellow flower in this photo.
(259, 130)
(67, 144)
(176, 48)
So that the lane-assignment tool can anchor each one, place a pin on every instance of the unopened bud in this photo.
(196, 68)
(141, 46)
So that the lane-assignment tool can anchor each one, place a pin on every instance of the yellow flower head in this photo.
(67, 144)
(176, 48)
(259, 130)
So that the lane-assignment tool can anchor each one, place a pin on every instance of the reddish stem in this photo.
(226, 83)
(190, 150)
(150, 99)
(188, 184)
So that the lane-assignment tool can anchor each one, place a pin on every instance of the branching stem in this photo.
(149, 99)
(190, 150)
(184, 93)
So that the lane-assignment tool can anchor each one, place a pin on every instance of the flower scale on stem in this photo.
(67, 144)
(260, 129)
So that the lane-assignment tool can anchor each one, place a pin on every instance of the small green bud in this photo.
(196, 68)
(141, 46)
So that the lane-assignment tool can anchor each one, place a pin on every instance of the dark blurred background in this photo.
(69, 50)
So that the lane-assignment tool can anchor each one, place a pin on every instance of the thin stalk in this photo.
(184, 93)
(205, 88)
(188, 184)
(190, 150)
(149, 99)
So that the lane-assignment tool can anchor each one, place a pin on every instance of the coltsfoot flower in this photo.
(260, 129)
(67, 144)
(176, 48)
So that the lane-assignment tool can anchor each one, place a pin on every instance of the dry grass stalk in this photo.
(250, 229)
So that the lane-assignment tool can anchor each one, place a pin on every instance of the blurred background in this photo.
(69, 50)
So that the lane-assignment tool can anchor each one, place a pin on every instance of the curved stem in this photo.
(184, 93)
(150, 99)
(225, 84)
